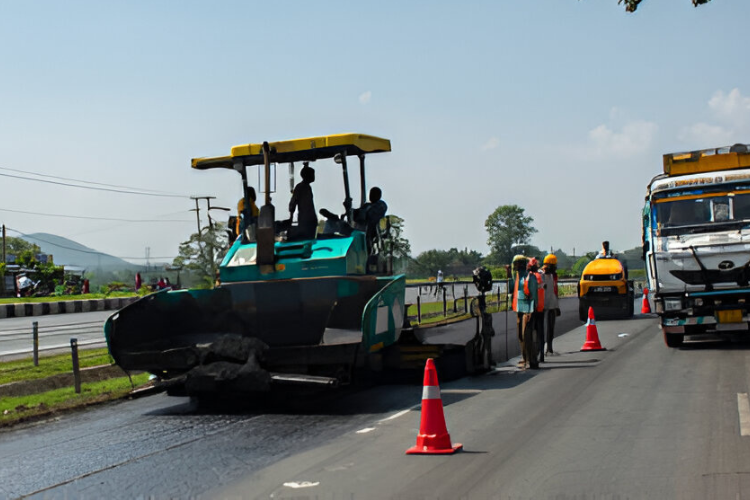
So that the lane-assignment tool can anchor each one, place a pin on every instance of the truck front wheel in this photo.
(673, 339)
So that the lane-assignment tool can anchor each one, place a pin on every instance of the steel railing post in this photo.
(35, 330)
(419, 309)
(76, 367)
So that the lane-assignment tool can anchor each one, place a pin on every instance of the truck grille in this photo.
(739, 275)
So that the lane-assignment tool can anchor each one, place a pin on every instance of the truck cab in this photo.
(696, 242)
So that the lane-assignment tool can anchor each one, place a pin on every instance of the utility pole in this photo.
(198, 211)
(208, 201)
(4, 260)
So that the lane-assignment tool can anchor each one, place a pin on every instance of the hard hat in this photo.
(519, 258)
(551, 259)
(532, 263)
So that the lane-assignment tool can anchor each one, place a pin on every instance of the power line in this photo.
(91, 218)
(91, 252)
(96, 188)
(81, 181)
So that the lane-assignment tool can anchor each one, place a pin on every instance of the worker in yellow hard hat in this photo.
(252, 216)
(551, 302)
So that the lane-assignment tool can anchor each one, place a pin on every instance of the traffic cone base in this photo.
(433, 437)
(592, 335)
(425, 450)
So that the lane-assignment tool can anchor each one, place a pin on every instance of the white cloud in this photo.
(492, 143)
(365, 97)
(705, 135)
(731, 112)
(634, 138)
(732, 107)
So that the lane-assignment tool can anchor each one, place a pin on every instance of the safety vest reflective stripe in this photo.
(431, 392)
(540, 292)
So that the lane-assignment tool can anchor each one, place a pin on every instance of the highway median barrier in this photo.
(20, 310)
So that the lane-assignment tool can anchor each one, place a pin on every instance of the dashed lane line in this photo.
(743, 407)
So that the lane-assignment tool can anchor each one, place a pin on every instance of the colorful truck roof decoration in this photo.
(707, 160)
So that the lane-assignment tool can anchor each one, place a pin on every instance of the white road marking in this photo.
(406, 411)
(399, 414)
(303, 484)
(743, 407)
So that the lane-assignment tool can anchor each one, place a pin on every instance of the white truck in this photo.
(696, 242)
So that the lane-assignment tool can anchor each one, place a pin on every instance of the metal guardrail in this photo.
(35, 331)
(457, 296)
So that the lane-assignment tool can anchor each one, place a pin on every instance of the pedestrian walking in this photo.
(439, 282)
(551, 299)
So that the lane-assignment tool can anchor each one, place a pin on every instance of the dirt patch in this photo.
(29, 387)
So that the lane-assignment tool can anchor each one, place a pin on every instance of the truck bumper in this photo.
(700, 324)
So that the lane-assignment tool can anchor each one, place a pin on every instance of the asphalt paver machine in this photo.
(286, 312)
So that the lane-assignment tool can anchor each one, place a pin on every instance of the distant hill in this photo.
(67, 252)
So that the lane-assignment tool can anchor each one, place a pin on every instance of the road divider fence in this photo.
(35, 331)
(26, 309)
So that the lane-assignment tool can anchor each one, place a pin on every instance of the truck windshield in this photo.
(704, 214)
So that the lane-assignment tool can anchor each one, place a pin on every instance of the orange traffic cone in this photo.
(592, 335)
(433, 437)
(646, 308)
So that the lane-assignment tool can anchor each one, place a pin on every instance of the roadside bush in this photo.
(115, 286)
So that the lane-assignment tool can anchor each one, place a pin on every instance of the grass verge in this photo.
(18, 409)
(24, 369)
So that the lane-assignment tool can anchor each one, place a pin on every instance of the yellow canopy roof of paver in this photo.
(307, 149)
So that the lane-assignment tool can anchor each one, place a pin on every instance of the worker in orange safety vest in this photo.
(524, 304)
(537, 316)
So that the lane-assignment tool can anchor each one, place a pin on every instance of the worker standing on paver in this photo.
(551, 302)
(523, 305)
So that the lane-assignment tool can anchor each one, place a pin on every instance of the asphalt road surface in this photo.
(638, 420)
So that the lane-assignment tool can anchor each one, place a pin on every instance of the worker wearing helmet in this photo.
(551, 302)
(523, 303)
(537, 316)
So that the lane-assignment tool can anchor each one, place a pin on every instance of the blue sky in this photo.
(563, 107)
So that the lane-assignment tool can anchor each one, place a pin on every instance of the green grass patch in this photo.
(16, 409)
(61, 298)
(24, 369)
